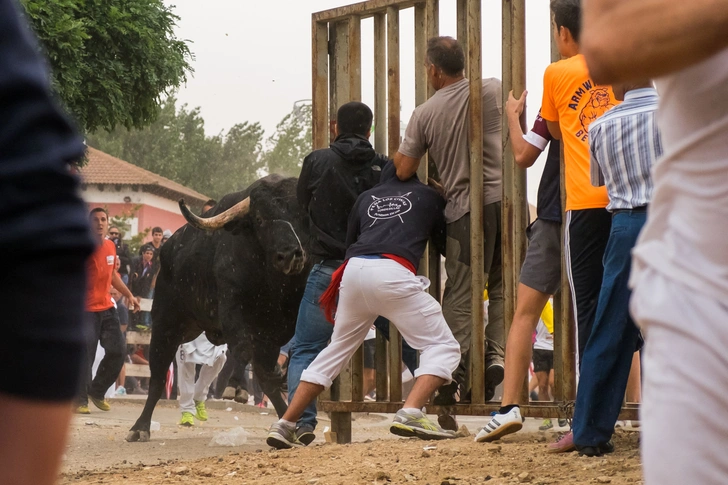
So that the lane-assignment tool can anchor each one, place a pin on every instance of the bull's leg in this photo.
(161, 352)
(266, 369)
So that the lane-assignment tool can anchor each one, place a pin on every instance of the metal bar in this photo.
(380, 84)
(533, 410)
(363, 9)
(393, 126)
(320, 66)
(354, 58)
(476, 200)
(380, 357)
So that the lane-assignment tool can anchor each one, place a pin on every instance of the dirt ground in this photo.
(98, 453)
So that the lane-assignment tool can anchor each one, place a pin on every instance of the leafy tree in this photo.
(290, 143)
(110, 61)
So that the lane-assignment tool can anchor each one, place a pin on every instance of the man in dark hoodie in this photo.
(387, 234)
(331, 180)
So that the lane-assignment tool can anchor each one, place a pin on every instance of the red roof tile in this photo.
(102, 168)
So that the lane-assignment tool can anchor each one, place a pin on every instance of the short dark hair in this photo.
(446, 54)
(98, 209)
(157, 229)
(354, 118)
(567, 13)
(147, 247)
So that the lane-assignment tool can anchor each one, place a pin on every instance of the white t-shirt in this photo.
(686, 235)
(544, 339)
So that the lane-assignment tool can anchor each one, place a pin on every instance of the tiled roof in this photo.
(102, 168)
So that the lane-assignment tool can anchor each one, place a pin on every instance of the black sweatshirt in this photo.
(331, 179)
(395, 217)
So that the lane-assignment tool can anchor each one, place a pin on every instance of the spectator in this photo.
(143, 272)
(101, 317)
(439, 127)
(122, 251)
(166, 235)
(44, 241)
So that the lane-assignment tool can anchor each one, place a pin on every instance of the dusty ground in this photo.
(98, 454)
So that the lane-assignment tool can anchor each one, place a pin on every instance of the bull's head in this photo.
(272, 220)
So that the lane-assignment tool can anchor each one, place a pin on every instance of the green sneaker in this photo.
(281, 437)
(546, 425)
(102, 404)
(83, 409)
(419, 425)
(201, 410)
(187, 419)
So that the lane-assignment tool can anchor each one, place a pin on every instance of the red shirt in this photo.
(100, 268)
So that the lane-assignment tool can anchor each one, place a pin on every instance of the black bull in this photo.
(237, 274)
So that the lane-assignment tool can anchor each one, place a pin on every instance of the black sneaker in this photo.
(304, 434)
(598, 450)
(493, 376)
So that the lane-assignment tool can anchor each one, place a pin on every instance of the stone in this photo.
(603, 479)
(181, 470)
(525, 477)
(205, 472)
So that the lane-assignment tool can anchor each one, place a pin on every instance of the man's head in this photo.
(566, 16)
(114, 233)
(157, 235)
(445, 61)
(620, 89)
(166, 235)
(148, 253)
(99, 220)
(209, 205)
(354, 118)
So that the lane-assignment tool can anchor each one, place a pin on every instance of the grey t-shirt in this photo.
(440, 125)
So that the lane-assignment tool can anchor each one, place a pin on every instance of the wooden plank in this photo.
(364, 9)
(354, 36)
(138, 338)
(475, 128)
(357, 375)
(395, 364)
(380, 83)
(393, 89)
(533, 410)
(341, 426)
(380, 357)
(462, 29)
(137, 370)
(320, 71)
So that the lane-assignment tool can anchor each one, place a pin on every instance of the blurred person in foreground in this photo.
(44, 242)
(680, 264)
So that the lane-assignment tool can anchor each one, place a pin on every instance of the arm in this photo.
(554, 129)
(595, 171)
(406, 166)
(671, 35)
(121, 288)
(524, 153)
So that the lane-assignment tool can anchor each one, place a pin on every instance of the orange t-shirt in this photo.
(571, 98)
(99, 270)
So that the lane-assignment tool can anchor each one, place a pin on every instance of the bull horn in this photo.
(215, 222)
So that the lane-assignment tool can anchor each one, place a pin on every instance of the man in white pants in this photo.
(389, 227)
(680, 263)
(192, 395)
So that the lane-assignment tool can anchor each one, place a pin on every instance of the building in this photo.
(125, 189)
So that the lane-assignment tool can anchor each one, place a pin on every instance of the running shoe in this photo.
(564, 444)
(187, 419)
(282, 437)
(500, 425)
(419, 425)
(102, 404)
(546, 425)
(201, 410)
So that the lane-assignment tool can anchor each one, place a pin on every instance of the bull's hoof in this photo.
(136, 435)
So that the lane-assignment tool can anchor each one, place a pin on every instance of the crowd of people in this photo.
(647, 201)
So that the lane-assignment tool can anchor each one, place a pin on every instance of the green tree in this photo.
(110, 61)
(290, 143)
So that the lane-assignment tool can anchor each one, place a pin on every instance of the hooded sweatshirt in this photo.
(396, 218)
(331, 180)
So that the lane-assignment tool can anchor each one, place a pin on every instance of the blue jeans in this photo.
(313, 333)
(613, 340)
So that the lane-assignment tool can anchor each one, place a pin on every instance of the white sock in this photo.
(287, 424)
(411, 410)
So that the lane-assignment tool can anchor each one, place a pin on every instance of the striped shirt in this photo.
(624, 144)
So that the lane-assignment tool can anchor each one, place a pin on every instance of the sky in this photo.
(252, 59)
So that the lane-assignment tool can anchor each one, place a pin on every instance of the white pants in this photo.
(373, 287)
(189, 390)
(684, 413)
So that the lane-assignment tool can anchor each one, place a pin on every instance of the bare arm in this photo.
(406, 166)
(121, 288)
(554, 129)
(627, 40)
(524, 153)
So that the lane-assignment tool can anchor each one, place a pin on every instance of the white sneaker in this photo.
(500, 425)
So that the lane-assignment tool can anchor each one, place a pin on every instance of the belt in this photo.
(331, 263)
(642, 208)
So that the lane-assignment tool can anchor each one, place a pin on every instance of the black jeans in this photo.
(102, 327)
